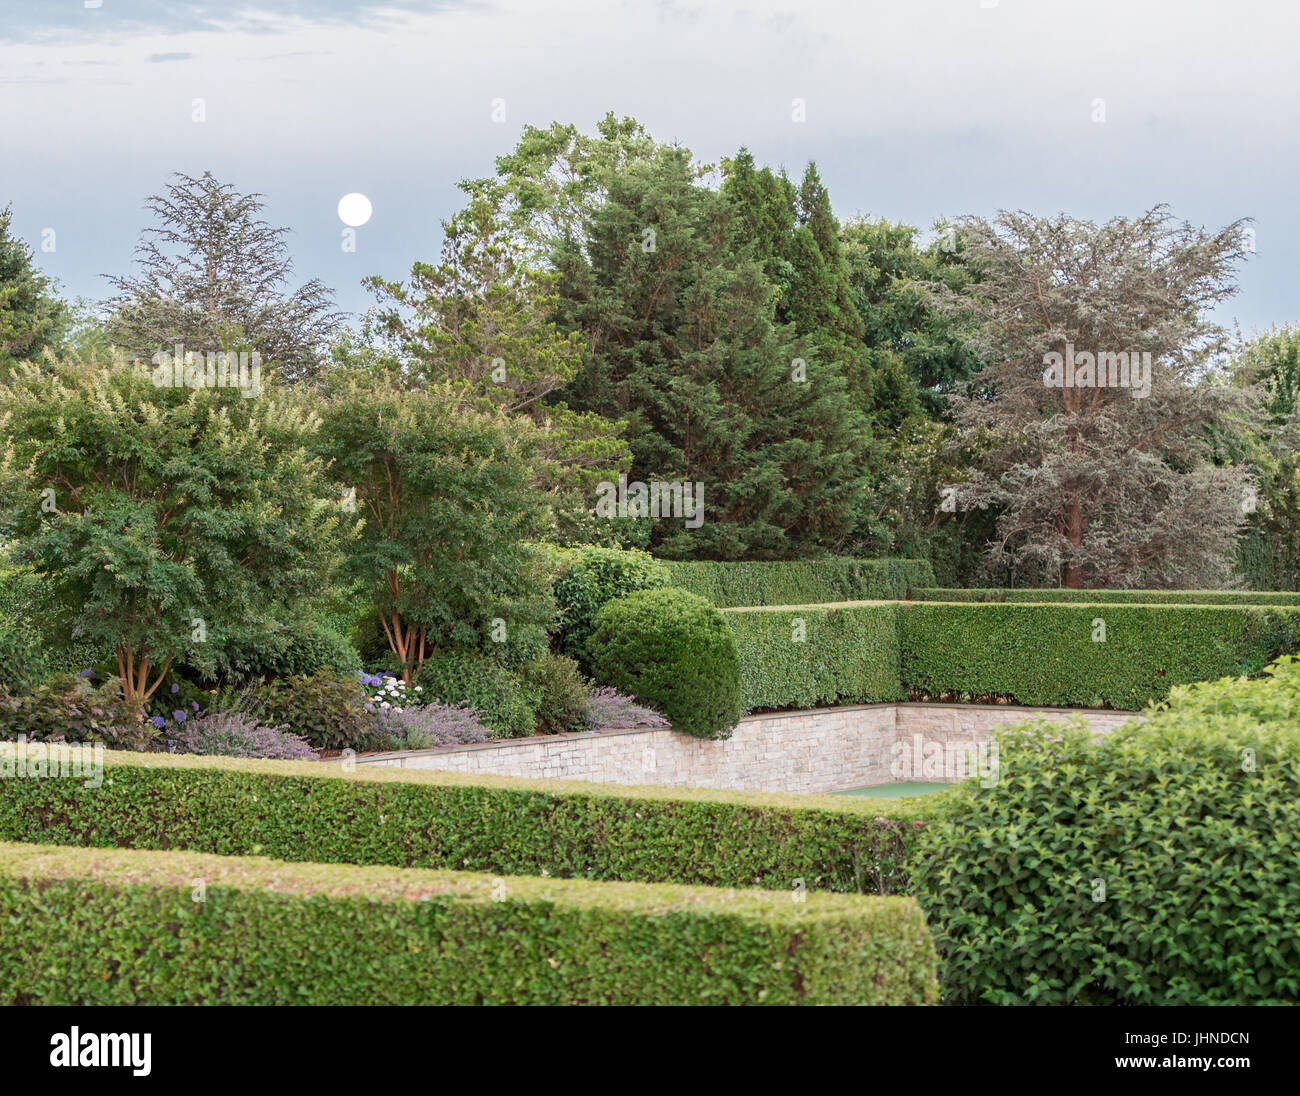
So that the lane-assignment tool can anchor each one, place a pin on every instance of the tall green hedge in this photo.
(813, 656)
(88, 927)
(1035, 654)
(1047, 654)
(801, 582)
(317, 812)
(1116, 597)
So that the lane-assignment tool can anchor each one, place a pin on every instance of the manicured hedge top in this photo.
(316, 812)
(834, 578)
(267, 932)
(1116, 597)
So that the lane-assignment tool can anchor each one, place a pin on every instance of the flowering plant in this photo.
(388, 692)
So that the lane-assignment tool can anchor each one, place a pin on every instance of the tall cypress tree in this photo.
(679, 319)
(31, 316)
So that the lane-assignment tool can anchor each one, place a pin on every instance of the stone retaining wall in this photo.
(824, 750)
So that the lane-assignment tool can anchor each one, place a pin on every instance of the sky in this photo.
(912, 109)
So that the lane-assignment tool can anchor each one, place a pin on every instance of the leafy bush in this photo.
(801, 582)
(68, 708)
(1047, 654)
(674, 651)
(810, 656)
(299, 649)
(20, 658)
(1155, 866)
(28, 610)
(445, 937)
(562, 692)
(608, 709)
(413, 818)
(506, 703)
(234, 734)
(590, 577)
(326, 709)
(424, 727)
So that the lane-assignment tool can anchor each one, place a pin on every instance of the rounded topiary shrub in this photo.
(589, 578)
(675, 652)
(1152, 866)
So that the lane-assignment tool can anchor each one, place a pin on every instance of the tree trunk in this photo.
(1073, 575)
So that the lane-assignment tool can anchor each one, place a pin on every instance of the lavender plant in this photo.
(608, 708)
(420, 728)
(236, 734)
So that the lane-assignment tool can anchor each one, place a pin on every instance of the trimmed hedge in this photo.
(674, 652)
(813, 656)
(259, 931)
(1156, 865)
(1032, 654)
(1045, 654)
(1115, 597)
(801, 582)
(308, 811)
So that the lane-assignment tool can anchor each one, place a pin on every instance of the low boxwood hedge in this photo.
(88, 927)
(319, 812)
(812, 656)
(1116, 597)
(801, 582)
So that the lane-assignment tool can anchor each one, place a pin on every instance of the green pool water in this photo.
(895, 791)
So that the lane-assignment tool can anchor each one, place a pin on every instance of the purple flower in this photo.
(195, 705)
(370, 707)
(175, 688)
(85, 673)
(179, 716)
(158, 722)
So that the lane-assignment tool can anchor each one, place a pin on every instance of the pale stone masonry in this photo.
(824, 750)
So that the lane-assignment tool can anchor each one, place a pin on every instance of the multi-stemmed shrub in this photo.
(675, 652)
(327, 709)
(1155, 865)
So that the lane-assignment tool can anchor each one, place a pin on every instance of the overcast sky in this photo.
(914, 109)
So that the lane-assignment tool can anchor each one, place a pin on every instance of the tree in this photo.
(1099, 397)
(681, 339)
(1270, 549)
(214, 277)
(447, 506)
(31, 316)
(169, 523)
(483, 323)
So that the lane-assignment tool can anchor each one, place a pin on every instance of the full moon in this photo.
(354, 210)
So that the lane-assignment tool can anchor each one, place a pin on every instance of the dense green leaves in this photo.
(1157, 865)
(673, 651)
(271, 933)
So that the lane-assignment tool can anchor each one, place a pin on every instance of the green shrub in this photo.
(325, 708)
(507, 704)
(588, 578)
(801, 582)
(1113, 597)
(69, 708)
(28, 610)
(299, 649)
(314, 811)
(675, 652)
(812, 656)
(562, 695)
(432, 938)
(1047, 654)
(1155, 866)
(21, 665)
